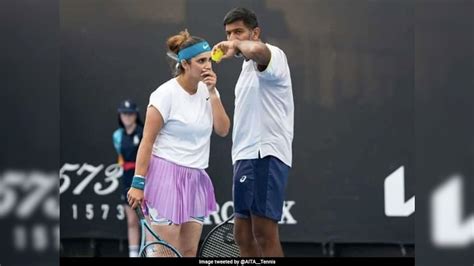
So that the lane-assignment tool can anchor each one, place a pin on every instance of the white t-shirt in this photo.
(185, 137)
(264, 110)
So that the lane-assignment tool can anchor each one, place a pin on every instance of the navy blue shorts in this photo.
(259, 187)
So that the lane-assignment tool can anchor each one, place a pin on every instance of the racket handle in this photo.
(139, 212)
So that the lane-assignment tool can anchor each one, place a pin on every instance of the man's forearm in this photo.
(256, 51)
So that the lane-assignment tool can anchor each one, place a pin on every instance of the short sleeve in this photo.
(117, 139)
(277, 67)
(161, 100)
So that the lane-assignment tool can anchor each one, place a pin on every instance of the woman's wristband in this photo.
(138, 182)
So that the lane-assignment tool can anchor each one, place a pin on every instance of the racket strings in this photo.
(158, 249)
(221, 243)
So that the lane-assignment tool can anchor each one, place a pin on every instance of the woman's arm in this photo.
(153, 125)
(221, 120)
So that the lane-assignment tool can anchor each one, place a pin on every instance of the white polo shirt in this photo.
(264, 110)
(185, 136)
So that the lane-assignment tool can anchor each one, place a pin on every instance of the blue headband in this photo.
(193, 50)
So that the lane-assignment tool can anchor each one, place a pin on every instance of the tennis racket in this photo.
(157, 247)
(220, 242)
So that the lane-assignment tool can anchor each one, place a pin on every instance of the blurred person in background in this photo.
(126, 140)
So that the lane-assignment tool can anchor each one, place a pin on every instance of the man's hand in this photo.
(229, 48)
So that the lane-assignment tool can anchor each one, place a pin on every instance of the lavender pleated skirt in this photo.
(178, 192)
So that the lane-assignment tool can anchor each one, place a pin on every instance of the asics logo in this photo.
(205, 46)
(243, 178)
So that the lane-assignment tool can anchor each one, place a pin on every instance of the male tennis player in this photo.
(262, 134)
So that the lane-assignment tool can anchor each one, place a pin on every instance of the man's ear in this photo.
(256, 34)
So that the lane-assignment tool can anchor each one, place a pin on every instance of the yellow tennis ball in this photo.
(217, 55)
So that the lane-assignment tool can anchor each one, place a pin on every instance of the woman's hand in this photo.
(135, 197)
(210, 79)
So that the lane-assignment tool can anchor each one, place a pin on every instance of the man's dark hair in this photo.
(240, 13)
